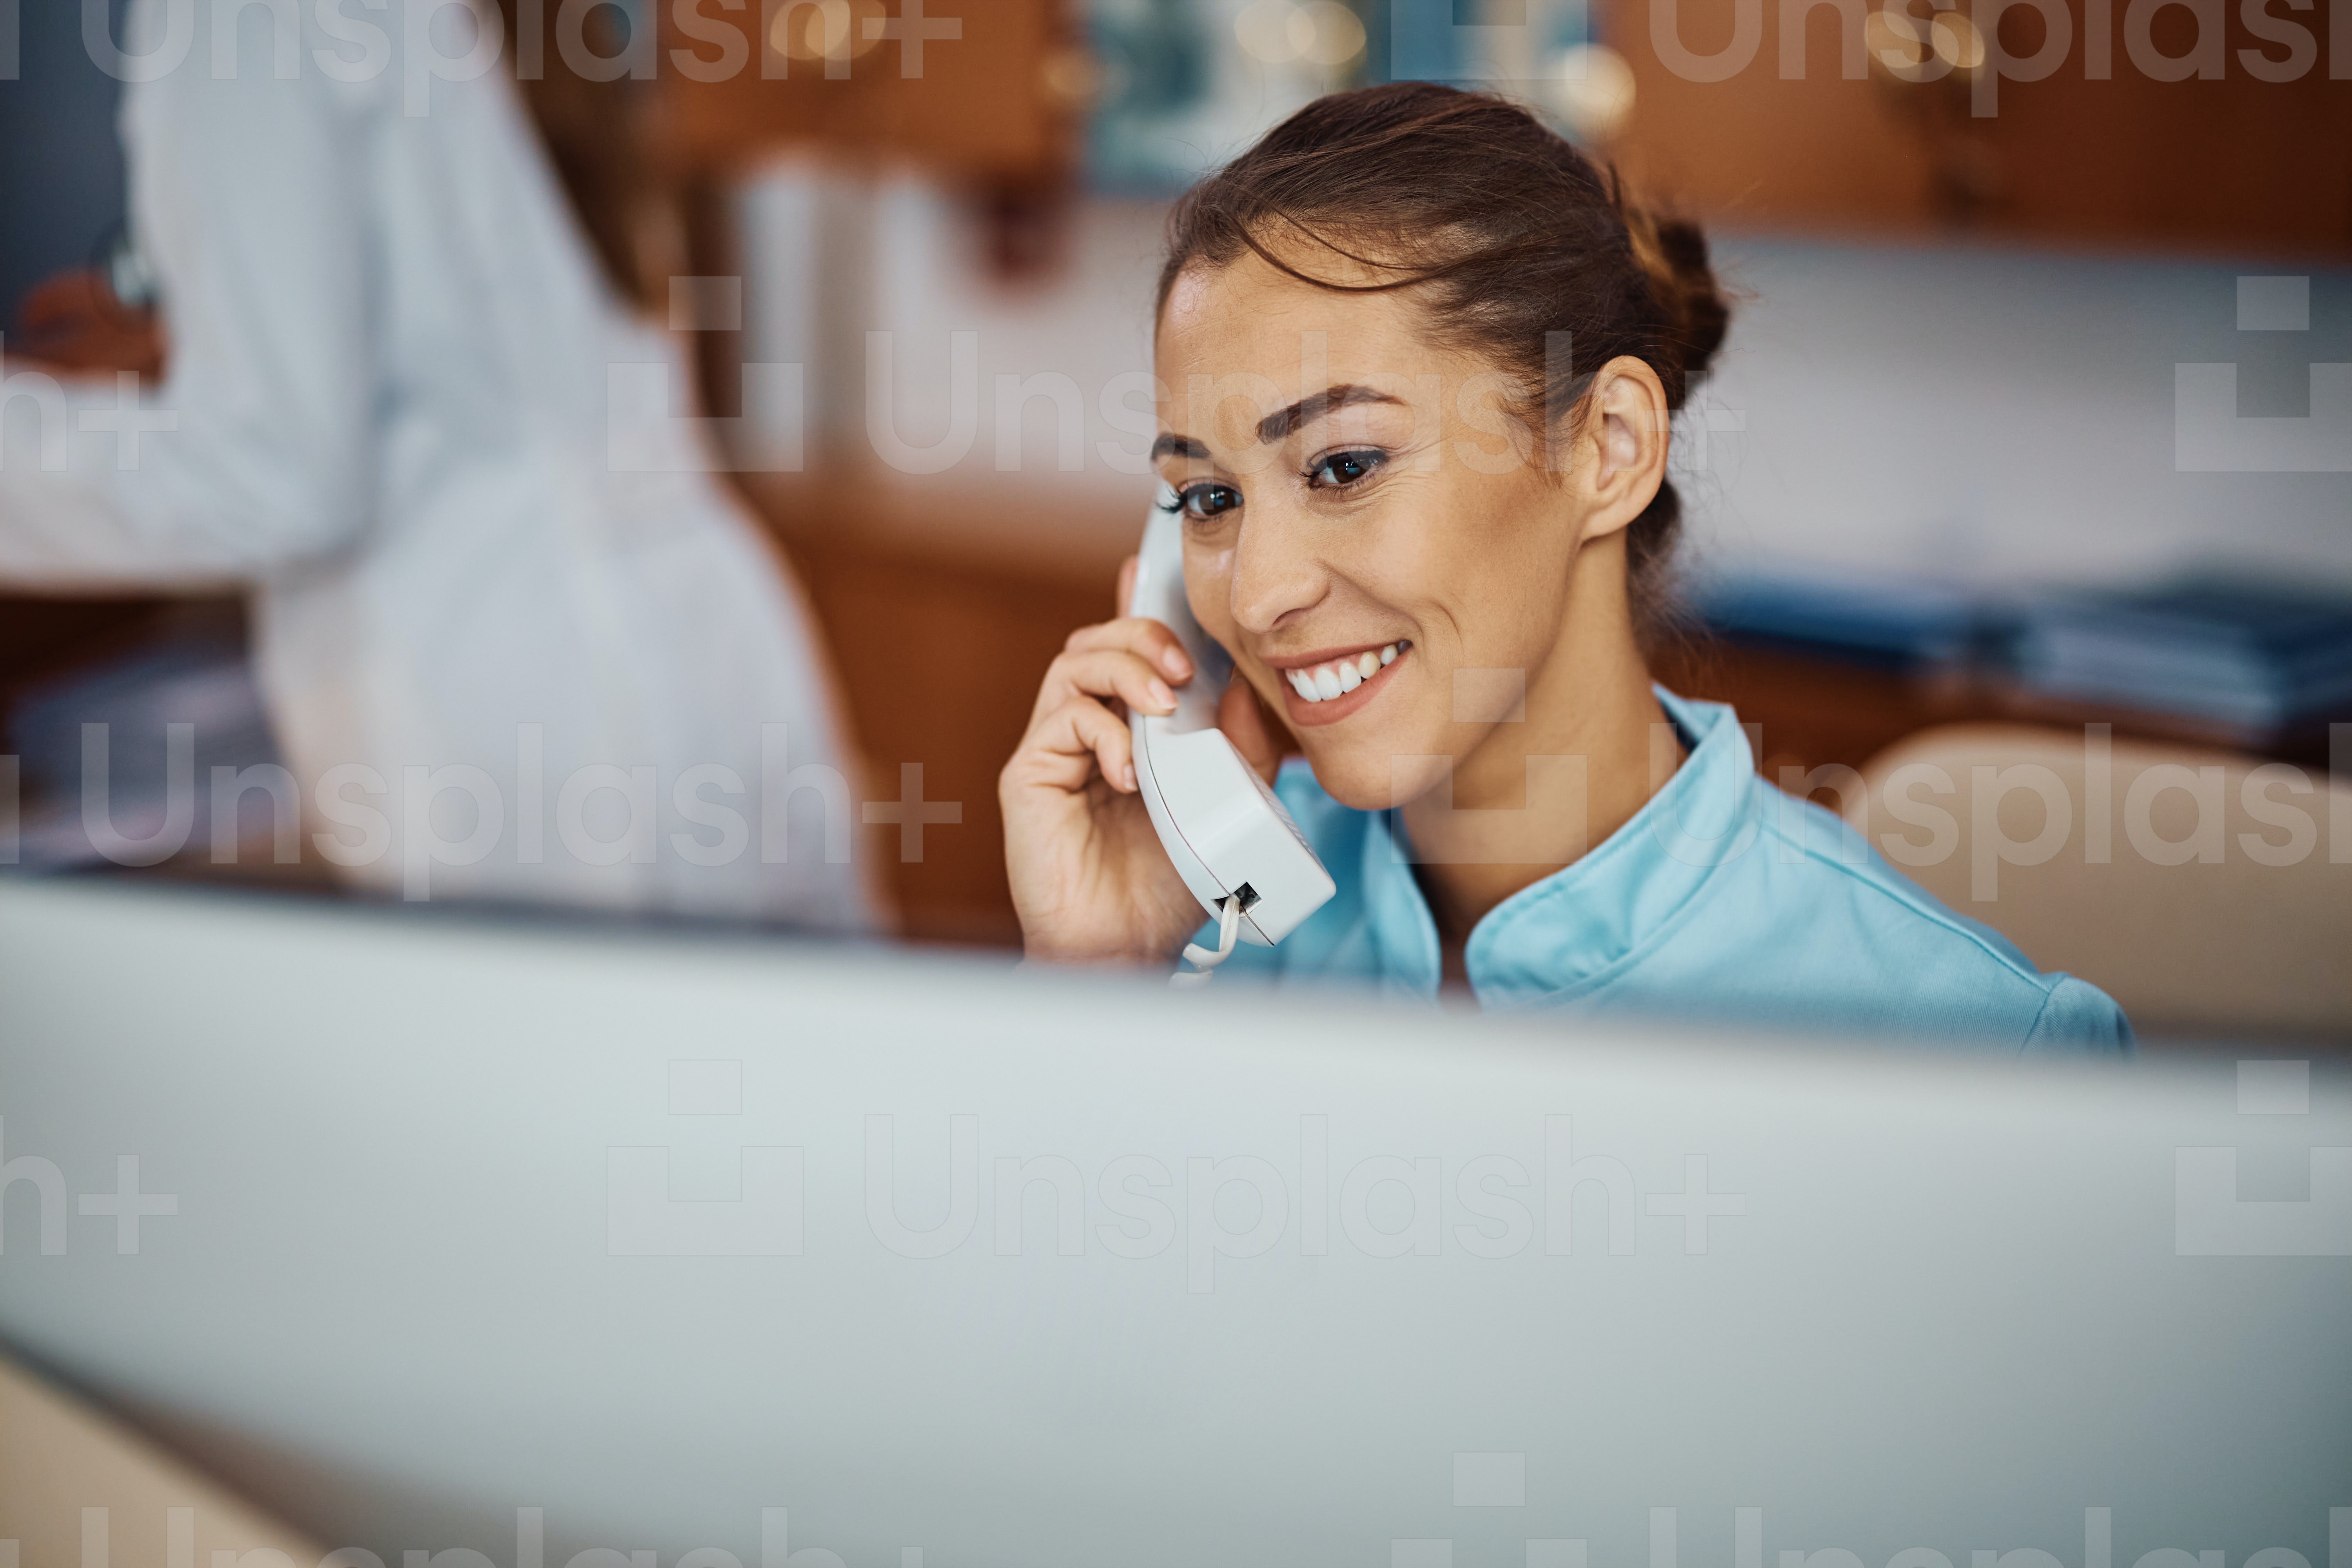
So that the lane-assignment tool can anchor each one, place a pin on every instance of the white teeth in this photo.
(1326, 681)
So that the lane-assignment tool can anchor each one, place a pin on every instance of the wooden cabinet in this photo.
(2100, 149)
(986, 90)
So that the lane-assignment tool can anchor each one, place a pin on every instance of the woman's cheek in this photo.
(1217, 597)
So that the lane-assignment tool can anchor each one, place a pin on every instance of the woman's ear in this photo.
(1626, 420)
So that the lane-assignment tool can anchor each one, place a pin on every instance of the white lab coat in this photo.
(389, 375)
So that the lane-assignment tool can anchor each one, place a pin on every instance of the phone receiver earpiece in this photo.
(1227, 834)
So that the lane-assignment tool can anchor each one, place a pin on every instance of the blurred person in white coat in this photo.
(497, 667)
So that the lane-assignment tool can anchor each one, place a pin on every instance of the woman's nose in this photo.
(1275, 575)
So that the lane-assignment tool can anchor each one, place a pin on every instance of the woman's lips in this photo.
(1312, 714)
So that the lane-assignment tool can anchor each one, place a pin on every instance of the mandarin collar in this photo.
(1562, 935)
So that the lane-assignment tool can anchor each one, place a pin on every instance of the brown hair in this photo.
(594, 130)
(1511, 232)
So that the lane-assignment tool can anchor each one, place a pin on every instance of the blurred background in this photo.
(1951, 471)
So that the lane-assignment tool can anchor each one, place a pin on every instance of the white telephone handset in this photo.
(1230, 838)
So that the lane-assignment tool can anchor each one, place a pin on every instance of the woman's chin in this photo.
(1370, 773)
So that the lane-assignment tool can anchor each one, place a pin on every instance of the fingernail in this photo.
(1162, 695)
(1127, 774)
(1175, 662)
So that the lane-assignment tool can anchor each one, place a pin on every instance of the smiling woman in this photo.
(1421, 362)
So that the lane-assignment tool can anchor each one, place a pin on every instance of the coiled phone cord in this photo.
(1204, 962)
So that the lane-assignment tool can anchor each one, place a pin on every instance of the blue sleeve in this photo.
(2079, 1019)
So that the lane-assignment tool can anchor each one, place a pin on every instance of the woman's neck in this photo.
(1537, 793)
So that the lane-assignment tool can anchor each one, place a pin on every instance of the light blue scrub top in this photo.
(1722, 898)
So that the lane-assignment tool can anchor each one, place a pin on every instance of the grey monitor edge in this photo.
(580, 1263)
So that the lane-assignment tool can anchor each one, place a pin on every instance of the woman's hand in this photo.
(1090, 881)
(72, 323)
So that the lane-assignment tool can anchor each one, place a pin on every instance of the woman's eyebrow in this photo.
(1284, 424)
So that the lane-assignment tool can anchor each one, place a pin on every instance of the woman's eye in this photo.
(1202, 502)
(1343, 469)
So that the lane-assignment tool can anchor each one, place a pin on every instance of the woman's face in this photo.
(1367, 531)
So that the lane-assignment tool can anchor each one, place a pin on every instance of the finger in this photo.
(1244, 722)
(1139, 635)
(1104, 672)
(1076, 740)
(1126, 584)
(64, 296)
(1144, 640)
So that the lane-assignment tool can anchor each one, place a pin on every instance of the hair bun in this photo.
(1673, 253)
